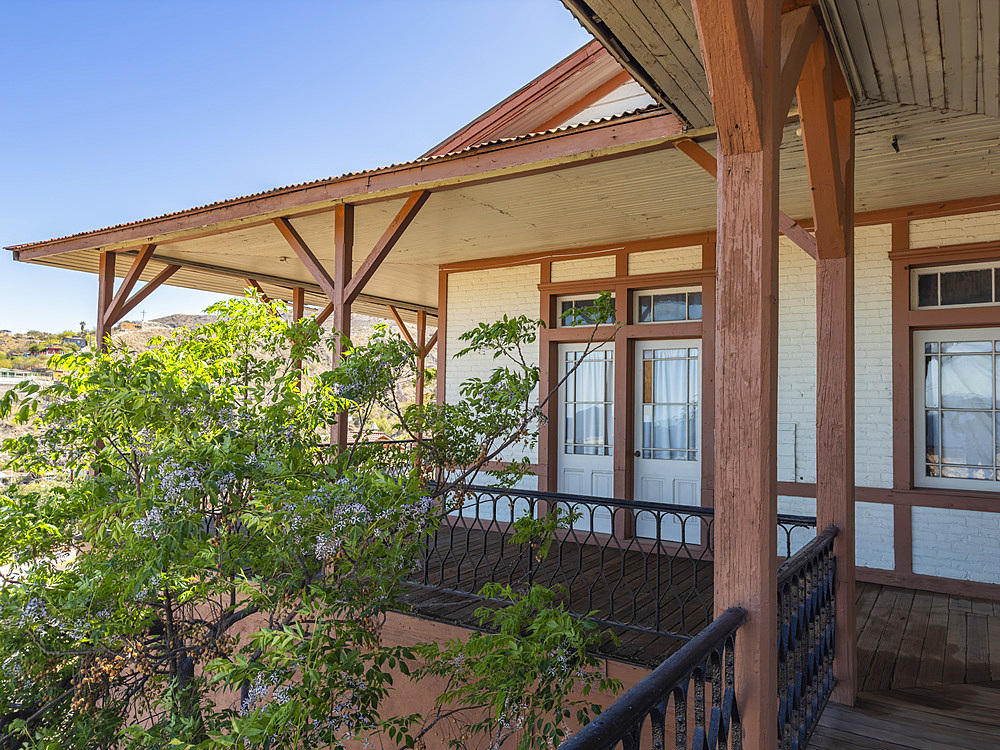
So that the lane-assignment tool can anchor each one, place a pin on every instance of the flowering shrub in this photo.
(211, 574)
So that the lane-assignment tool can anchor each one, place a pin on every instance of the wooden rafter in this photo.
(386, 242)
(798, 30)
(128, 283)
(788, 226)
(306, 255)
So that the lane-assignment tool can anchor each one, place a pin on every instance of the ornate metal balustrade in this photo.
(641, 566)
(693, 690)
(806, 628)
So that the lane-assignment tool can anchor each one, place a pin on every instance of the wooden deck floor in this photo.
(929, 675)
(928, 664)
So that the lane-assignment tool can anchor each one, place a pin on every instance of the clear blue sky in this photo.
(114, 111)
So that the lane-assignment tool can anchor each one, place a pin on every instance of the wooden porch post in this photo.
(105, 293)
(421, 344)
(343, 239)
(739, 43)
(826, 111)
(298, 312)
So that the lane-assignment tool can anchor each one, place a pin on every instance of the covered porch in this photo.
(386, 242)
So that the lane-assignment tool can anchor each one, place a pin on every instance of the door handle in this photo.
(637, 454)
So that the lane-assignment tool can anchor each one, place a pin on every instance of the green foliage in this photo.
(211, 575)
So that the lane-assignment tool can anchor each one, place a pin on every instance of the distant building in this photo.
(80, 341)
(49, 351)
(5, 330)
(130, 325)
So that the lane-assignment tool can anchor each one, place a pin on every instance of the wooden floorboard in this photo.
(954, 717)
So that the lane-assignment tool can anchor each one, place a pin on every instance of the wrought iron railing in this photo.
(806, 628)
(394, 457)
(642, 566)
(691, 696)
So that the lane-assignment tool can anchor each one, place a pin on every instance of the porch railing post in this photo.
(343, 240)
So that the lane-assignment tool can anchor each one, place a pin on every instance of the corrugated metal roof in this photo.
(350, 175)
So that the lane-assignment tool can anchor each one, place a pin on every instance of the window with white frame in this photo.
(667, 305)
(573, 310)
(957, 408)
(966, 285)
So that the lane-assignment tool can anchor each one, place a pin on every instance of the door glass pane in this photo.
(670, 411)
(587, 401)
(967, 381)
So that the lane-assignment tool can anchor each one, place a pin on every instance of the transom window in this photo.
(670, 387)
(957, 389)
(955, 286)
(568, 307)
(666, 305)
(589, 403)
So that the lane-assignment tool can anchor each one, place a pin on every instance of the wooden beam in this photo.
(148, 288)
(325, 313)
(105, 291)
(799, 29)
(386, 242)
(828, 135)
(402, 326)
(115, 314)
(421, 345)
(788, 226)
(298, 313)
(741, 49)
(343, 252)
(252, 283)
(731, 54)
(820, 138)
(430, 344)
(307, 257)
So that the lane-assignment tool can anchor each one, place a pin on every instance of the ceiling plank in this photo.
(309, 260)
(385, 244)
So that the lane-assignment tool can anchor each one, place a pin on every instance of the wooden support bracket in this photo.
(115, 313)
(402, 326)
(386, 242)
(307, 257)
(252, 283)
(798, 31)
(788, 226)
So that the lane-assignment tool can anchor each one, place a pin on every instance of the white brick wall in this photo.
(476, 297)
(664, 261)
(963, 544)
(602, 267)
(956, 544)
(955, 230)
